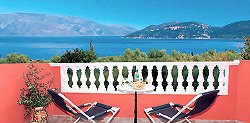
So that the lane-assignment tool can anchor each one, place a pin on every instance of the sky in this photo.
(137, 13)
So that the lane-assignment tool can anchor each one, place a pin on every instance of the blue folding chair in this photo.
(94, 112)
(175, 112)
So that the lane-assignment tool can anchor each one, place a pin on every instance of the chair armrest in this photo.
(178, 105)
(181, 106)
(82, 105)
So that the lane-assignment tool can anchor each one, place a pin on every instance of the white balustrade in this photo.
(223, 76)
(190, 79)
(180, 88)
(200, 79)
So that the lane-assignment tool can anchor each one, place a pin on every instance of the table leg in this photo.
(135, 111)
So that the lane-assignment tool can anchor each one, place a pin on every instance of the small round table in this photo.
(126, 88)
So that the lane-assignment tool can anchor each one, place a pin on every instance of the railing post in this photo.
(65, 79)
(120, 77)
(169, 88)
(190, 79)
(159, 79)
(130, 77)
(221, 78)
(150, 78)
(92, 87)
(111, 78)
(200, 79)
(180, 88)
(210, 77)
(101, 79)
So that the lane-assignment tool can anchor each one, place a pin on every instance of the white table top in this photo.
(128, 89)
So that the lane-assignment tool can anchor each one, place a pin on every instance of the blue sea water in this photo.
(46, 47)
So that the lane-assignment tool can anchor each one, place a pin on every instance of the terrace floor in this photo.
(69, 119)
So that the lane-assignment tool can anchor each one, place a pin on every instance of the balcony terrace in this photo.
(183, 81)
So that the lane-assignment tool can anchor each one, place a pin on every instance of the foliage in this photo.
(91, 47)
(245, 52)
(174, 56)
(78, 56)
(2, 60)
(35, 94)
(16, 58)
(56, 59)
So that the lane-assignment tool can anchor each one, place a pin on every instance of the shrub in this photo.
(35, 94)
(2, 61)
(78, 56)
(56, 59)
(16, 58)
(245, 52)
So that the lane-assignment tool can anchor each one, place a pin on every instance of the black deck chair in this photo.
(176, 112)
(94, 112)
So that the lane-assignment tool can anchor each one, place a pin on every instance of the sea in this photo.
(40, 47)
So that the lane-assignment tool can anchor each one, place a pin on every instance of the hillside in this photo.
(193, 30)
(29, 24)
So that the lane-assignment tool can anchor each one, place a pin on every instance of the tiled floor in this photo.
(68, 119)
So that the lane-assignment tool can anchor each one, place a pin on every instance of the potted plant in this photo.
(34, 96)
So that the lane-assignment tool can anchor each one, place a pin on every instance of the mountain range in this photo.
(30, 24)
(193, 30)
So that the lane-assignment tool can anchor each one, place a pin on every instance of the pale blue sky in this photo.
(137, 13)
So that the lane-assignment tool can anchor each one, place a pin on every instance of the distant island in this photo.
(30, 24)
(193, 30)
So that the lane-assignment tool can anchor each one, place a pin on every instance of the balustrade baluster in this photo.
(210, 77)
(150, 78)
(190, 79)
(120, 77)
(169, 88)
(92, 87)
(200, 78)
(159, 88)
(130, 78)
(101, 79)
(221, 78)
(180, 88)
(111, 79)
(139, 68)
(65, 79)
(84, 87)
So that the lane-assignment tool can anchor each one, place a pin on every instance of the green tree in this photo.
(91, 47)
(245, 52)
(17, 58)
(151, 54)
(78, 56)
(56, 59)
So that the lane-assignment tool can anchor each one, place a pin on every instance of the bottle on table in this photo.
(136, 75)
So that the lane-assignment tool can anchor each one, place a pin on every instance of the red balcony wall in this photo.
(231, 107)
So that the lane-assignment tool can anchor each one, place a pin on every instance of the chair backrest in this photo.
(203, 102)
(59, 100)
